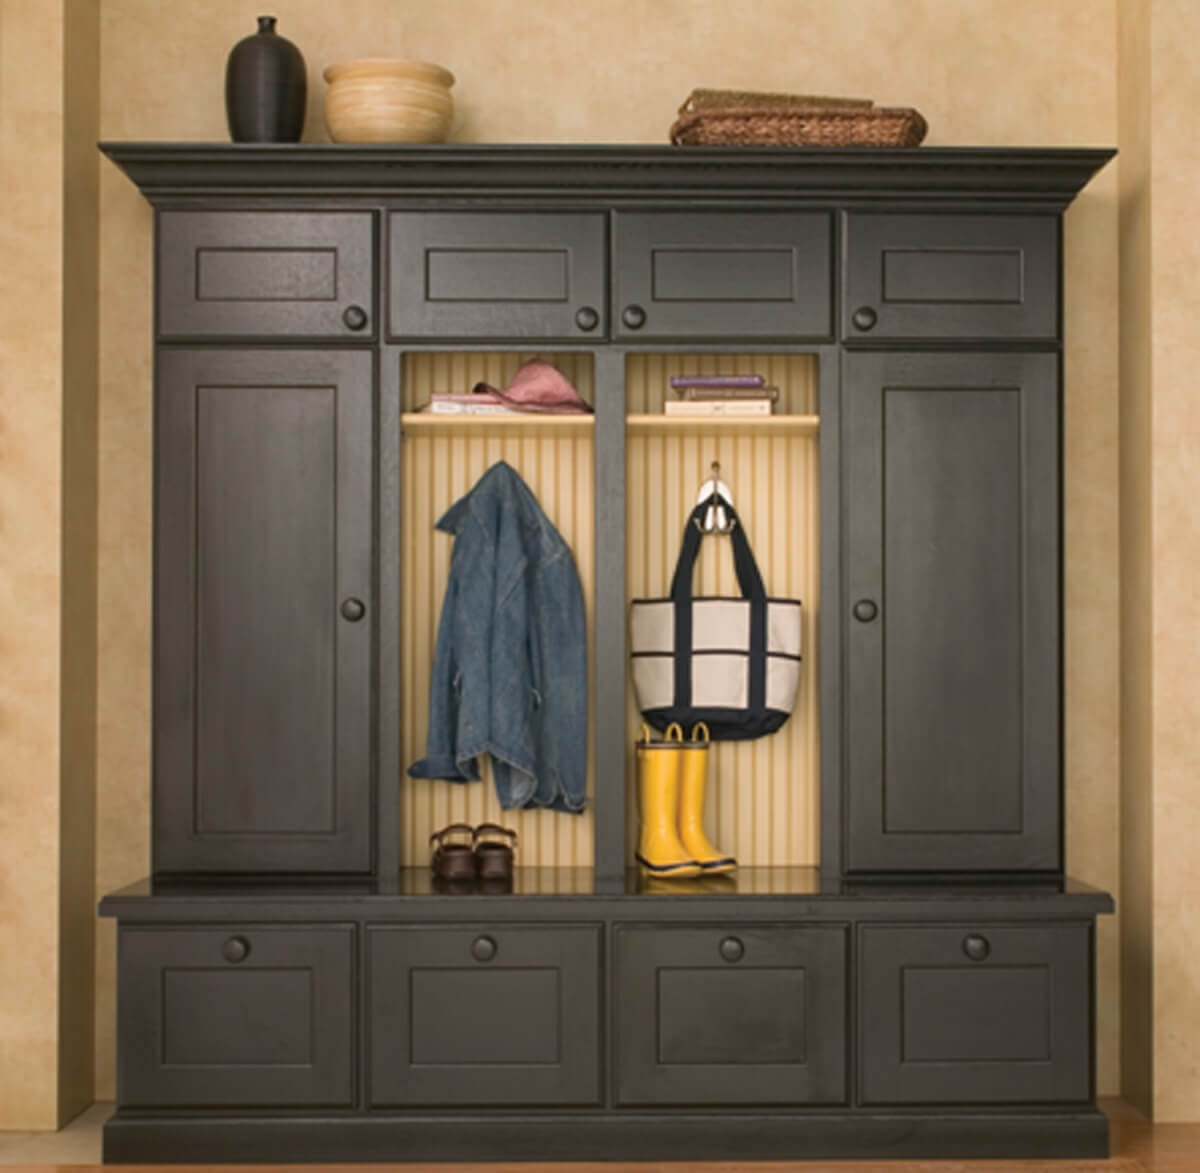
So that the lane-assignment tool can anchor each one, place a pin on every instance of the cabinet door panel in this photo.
(1010, 1024)
(266, 274)
(923, 276)
(952, 645)
(736, 1014)
(492, 275)
(243, 1015)
(263, 688)
(723, 275)
(499, 1014)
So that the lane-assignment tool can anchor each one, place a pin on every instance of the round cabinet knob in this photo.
(864, 317)
(236, 949)
(976, 947)
(586, 318)
(354, 316)
(633, 316)
(353, 609)
(731, 949)
(865, 610)
(483, 948)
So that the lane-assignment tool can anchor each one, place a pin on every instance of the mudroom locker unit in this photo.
(900, 966)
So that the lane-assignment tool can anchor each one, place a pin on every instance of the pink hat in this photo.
(539, 387)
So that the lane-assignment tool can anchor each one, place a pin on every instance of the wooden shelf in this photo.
(426, 423)
(749, 425)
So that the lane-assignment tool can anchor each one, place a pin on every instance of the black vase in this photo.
(266, 87)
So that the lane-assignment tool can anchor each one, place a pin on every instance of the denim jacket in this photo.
(510, 665)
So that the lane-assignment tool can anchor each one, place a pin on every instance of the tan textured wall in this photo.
(80, 320)
(993, 72)
(1175, 538)
(31, 128)
(1137, 693)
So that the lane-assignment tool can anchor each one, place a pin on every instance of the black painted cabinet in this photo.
(727, 274)
(264, 611)
(974, 1014)
(951, 611)
(497, 276)
(959, 277)
(730, 1014)
(484, 1014)
(286, 992)
(266, 274)
(237, 1015)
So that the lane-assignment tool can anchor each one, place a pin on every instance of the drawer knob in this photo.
(353, 610)
(864, 317)
(236, 949)
(586, 318)
(731, 949)
(633, 316)
(483, 949)
(865, 610)
(976, 947)
(354, 316)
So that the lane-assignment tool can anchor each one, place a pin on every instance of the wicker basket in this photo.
(784, 126)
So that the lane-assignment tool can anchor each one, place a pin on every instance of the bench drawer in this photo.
(492, 1014)
(975, 1014)
(236, 1015)
(730, 1014)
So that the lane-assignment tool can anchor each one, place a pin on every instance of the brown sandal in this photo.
(493, 847)
(453, 861)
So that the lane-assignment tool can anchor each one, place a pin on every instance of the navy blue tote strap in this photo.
(751, 584)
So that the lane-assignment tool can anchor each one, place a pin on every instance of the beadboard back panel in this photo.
(763, 795)
(441, 463)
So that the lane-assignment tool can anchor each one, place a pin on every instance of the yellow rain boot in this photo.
(660, 852)
(693, 771)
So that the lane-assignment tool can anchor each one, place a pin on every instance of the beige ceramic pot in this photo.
(381, 100)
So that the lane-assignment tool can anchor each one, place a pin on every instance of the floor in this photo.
(1138, 1147)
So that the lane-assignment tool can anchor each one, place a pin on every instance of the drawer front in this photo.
(723, 275)
(975, 1014)
(915, 276)
(485, 1015)
(239, 1015)
(730, 1014)
(497, 275)
(260, 274)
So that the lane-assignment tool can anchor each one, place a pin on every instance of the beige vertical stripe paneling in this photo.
(441, 463)
(763, 796)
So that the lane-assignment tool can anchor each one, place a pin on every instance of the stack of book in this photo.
(467, 403)
(721, 395)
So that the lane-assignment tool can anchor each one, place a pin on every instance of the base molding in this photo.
(680, 1135)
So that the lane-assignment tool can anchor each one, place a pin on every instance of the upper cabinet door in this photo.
(266, 274)
(954, 276)
(263, 611)
(952, 550)
(502, 276)
(723, 275)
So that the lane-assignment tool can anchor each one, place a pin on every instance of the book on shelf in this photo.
(701, 393)
(466, 403)
(681, 381)
(701, 408)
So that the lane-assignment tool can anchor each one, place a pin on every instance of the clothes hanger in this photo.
(715, 491)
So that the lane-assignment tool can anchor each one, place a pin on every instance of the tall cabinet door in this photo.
(951, 531)
(263, 611)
